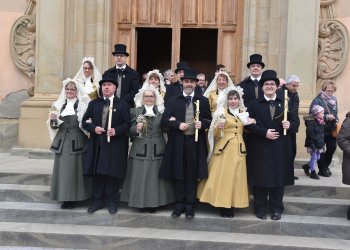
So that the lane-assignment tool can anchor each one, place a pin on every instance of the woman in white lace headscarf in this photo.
(89, 76)
(226, 186)
(143, 188)
(68, 143)
(220, 82)
(155, 78)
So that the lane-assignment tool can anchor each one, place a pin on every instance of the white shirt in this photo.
(149, 110)
(69, 109)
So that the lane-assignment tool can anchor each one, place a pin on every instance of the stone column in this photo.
(50, 47)
(66, 32)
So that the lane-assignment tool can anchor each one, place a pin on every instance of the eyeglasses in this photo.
(149, 96)
(70, 89)
(269, 84)
(86, 68)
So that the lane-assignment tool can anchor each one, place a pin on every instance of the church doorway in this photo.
(153, 49)
(199, 48)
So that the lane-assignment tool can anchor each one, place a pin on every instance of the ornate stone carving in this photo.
(333, 44)
(22, 44)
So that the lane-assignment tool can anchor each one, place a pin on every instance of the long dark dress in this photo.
(69, 145)
(142, 185)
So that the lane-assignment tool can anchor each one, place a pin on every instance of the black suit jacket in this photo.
(130, 83)
(249, 91)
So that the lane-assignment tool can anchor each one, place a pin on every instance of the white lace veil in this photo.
(221, 109)
(96, 73)
(161, 80)
(83, 98)
(213, 85)
(138, 99)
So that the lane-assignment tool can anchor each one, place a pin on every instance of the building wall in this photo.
(11, 78)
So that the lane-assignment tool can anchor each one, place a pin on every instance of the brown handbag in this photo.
(335, 132)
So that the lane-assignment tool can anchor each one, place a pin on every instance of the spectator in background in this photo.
(327, 100)
(202, 83)
(343, 140)
(169, 77)
(292, 85)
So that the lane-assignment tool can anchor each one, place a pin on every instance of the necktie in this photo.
(272, 108)
(256, 88)
(120, 70)
(106, 102)
(188, 100)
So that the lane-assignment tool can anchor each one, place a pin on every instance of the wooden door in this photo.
(224, 16)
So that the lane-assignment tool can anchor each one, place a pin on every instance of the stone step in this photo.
(205, 220)
(293, 205)
(25, 178)
(104, 237)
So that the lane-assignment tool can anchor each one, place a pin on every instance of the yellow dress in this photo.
(213, 99)
(226, 185)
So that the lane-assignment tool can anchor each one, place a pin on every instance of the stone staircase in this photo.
(314, 218)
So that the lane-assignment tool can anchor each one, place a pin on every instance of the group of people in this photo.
(189, 141)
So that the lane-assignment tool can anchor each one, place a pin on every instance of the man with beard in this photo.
(106, 160)
(185, 160)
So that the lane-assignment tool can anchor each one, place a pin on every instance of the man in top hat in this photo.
(176, 88)
(251, 87)
(270, 167)
(185, 160)
(126, 77)
(106, 161)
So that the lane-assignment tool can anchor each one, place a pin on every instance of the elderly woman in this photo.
(220, 82)
(343, 140)
(89, 76)
(327, 100)
(68, 143)
(142, 187)
(226, 186)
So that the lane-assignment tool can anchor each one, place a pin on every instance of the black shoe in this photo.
(276, 215)
(227, 212)
(261, 215)
(323, 173)
(328, 171)
(112, 209)
(348, 215)
(94, 207)
(313, 175)
(189, 214)
(296, 178)
(67, 205)
(177, 211)
(306, 169)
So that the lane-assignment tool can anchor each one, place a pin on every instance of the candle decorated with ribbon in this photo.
(285, 109)
(196, 119)
(110, 120)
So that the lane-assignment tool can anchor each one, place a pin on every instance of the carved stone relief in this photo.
(333, 44)
(22, 44)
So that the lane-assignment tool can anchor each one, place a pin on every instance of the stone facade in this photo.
(293, 37)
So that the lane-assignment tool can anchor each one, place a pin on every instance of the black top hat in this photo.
(190, 74)
(268, 75)
(181, 66)
(256, 59)
(108, 77)
(120, 49)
